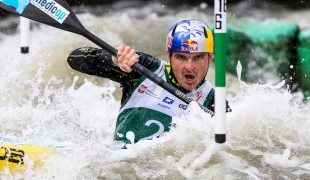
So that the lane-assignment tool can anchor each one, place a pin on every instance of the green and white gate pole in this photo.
(220, 69)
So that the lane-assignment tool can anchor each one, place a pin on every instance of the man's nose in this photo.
(189, 65)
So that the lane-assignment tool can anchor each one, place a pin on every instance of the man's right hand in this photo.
(126, 57)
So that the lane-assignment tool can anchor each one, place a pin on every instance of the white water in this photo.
(43, 101)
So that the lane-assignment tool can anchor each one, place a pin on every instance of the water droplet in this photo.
(291, 66)
(163, 6)
(48, 54)
(203, 5)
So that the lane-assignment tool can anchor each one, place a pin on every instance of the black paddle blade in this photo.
(56, 13)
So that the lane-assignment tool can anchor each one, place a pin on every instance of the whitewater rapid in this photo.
(43, 101)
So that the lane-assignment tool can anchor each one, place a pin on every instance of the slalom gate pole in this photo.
(24, 35)
(220, 69)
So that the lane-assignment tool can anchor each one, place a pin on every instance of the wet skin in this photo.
(190, 68)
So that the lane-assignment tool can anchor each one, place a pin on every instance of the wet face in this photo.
(190, 68)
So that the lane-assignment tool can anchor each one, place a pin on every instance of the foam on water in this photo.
(267, 138)
(44, 102)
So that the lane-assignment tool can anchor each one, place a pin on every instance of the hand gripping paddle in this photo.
(57, 13)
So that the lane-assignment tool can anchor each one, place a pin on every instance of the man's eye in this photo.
(180, 57)
(199, 57)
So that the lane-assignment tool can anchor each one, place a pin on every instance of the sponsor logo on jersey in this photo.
(183, 106)
(164, 106)
(142, 88)
(168, 100)
(156, 96)
(199, 95)
(52, 8)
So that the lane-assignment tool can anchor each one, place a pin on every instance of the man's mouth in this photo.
(189, 76)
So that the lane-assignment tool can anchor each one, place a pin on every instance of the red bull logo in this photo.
(190, 42)
(194, 42)
(192, 49)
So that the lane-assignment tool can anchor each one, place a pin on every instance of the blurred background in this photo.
(44, 101)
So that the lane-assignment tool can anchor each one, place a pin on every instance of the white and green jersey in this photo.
(146, 108)
(149, 108)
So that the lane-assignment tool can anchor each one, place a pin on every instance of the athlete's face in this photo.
(190, 68)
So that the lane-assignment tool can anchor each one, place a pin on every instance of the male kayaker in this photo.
(147, 109)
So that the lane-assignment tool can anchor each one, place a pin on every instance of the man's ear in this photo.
(168, 54)
(210, 57)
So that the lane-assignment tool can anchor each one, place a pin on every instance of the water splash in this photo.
(267, 131)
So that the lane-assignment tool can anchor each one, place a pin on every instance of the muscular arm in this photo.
(98, 62)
